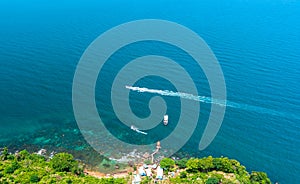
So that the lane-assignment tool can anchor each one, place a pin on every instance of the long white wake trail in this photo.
(209, 100)
(203, 99)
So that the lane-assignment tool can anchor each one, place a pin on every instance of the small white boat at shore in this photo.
(166, 119)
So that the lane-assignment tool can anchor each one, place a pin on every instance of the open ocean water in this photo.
(256, 42)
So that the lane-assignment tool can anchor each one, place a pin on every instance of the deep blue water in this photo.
(256, 42)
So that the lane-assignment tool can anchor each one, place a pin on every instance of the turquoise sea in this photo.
(256, 42)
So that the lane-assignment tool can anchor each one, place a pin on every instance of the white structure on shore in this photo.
(137, 179)
(159, 173)
(141, 171)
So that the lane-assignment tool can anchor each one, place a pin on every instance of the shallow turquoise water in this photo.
(257, 44)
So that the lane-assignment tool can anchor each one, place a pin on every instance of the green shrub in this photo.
(34, 178)
(192, 165)
(146, 180)
(69, 181)
(259, 177)
(181, 163)
(12, 167)
(206, 164)
(9, 170)
(212, 180)
(64, 162)
(10, 157)
(218, 176)
(183, 174)
(4, 154)
(22, 155)
(37, 158)
(167, 163)
(228, 165)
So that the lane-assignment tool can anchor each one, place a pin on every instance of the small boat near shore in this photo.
(166, 120)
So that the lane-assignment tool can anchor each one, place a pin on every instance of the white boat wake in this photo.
(137, 130)
(209, 100)
(203, 99)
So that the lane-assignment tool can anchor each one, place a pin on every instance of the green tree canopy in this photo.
(64, 162)
(181, 163)
(167, 163)
(259, 178)
(212, 180)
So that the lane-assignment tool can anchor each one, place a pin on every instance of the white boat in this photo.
(137, 130)
(133, 128)
(166, 119)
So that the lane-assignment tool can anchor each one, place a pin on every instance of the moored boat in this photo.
(166, 119)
